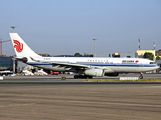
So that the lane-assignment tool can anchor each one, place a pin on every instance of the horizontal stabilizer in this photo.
(22, 59)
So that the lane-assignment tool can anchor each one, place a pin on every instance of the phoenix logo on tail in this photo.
(18, 46)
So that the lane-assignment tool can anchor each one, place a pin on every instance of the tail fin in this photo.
(20, 47)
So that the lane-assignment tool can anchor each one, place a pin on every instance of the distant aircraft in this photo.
(85, 67)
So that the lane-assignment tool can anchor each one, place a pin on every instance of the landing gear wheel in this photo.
(141, 77)
(82, 77)
(89, 77)
(76, 76)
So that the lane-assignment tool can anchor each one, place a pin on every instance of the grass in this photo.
(116, 80)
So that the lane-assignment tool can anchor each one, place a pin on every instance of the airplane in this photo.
(84, 67)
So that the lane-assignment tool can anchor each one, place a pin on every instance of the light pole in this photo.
(94, 47)
(13, 27)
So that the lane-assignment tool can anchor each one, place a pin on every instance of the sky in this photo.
(65, 27)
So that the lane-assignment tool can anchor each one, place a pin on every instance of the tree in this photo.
(85, 55)
(157, 58)
(77, 54)
(88, 55)
(148, 55)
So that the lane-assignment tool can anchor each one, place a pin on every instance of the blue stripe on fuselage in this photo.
(103, 64)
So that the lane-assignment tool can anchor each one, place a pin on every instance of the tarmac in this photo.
(75, 101)
(69, 78)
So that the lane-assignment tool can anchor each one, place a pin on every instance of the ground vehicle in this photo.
(41, 72)
(26, 72)
(5, 73)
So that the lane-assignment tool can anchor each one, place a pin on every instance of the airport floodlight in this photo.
(94, 47)
(13, 27)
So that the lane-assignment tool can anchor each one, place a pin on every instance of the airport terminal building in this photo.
(6, 63)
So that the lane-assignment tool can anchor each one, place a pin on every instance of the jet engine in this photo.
(111, 74)
(94, 72)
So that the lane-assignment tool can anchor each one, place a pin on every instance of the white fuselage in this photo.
(89, 66)
(110, 65)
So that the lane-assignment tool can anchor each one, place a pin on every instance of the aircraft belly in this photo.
(145, 69)
(131, 69)
(124, 69)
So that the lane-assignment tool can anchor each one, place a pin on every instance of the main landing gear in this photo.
(82, 77)
(141, 76)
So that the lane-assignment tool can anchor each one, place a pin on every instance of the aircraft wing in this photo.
(73, 65)
(70, 65)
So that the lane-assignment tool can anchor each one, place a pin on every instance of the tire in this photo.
(140, 77)
(75, 76)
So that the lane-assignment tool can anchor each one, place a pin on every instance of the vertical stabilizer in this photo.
(20, 47)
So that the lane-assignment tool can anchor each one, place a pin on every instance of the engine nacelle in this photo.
(94, 72)
(111, 74)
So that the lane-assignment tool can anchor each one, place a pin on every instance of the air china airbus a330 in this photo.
(85, 67)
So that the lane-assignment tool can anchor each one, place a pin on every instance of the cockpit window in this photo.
(152, 63)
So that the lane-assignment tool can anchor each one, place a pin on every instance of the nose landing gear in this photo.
(141, 76)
